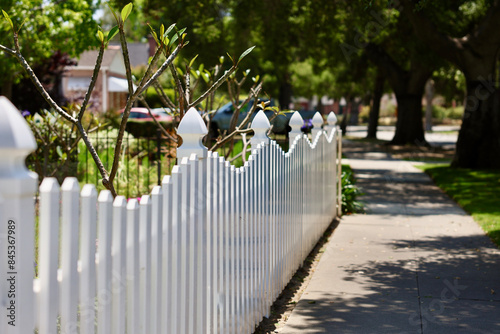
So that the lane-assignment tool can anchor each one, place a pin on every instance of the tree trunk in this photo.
(285, 94)
(478, 144)
(409, 126)
(345, 116)
(429, 96)
(378, 91)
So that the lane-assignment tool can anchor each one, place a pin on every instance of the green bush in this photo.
(154, 100)
(56, 154)
(364, 114)
(350, 192)
(440, 113)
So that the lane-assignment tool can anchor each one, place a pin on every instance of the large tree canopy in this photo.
(466, 34)
(49, 27)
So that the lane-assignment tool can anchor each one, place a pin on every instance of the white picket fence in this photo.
(207, 252)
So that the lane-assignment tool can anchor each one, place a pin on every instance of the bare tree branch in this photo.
(97, 69)
(214, 87)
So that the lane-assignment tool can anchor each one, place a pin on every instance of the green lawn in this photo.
(477, 191)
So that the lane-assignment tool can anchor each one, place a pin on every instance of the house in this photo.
(111, 89)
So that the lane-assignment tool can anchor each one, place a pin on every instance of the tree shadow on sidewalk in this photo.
(443, 285)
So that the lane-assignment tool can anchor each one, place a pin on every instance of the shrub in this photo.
(440, 113)
(364, 114)
(350, 192)
(56, 154)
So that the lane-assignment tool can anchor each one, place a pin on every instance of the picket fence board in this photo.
(118, 260)
(209, 251)
(87, 261)
(48, 262)
(104, 265)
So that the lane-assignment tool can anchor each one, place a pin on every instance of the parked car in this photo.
(142, 114)
(162, 112)
(223, 115)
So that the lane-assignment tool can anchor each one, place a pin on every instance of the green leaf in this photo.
(195, 74)
(174, 38)
(100, 35)
(155, 37)
(206, 77)
(112, 33)
(192, 61)
(59, 151)
(162, 30)
(221, 59)
(7, 17)
(181, 32)
(154, 34)
(230, 57)
(256, 78)
(114, 14)
(126, 11)
(169, 29)
(24, 21)
(177, 35)
(244, 54)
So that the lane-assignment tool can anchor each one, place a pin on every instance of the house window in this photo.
(78, 83)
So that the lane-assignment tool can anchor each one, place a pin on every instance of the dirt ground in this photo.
(284, 305)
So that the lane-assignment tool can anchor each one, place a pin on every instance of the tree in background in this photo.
(204, 20)
(466, 34)
(49, 31)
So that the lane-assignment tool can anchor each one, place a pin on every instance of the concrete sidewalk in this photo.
(414, 263)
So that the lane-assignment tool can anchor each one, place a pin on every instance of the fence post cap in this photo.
(260, 125)
(192, 123)
(317, 120)
(14, 130)
(332, 118)
(192, 129)
(260, 121)
(296, 120)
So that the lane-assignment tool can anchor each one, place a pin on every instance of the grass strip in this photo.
(476, 191)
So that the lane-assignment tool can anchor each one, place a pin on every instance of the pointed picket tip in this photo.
(165, 179)
(317, 120)
(332, 118)
(296, 120)
(49, 184)
(105, 196)
(145, 200)
(120, 201)
(14, 130)
(192, 123)
(89, 190)
(156, 191)
(260, 121)
(70, 184)
(132, 204)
